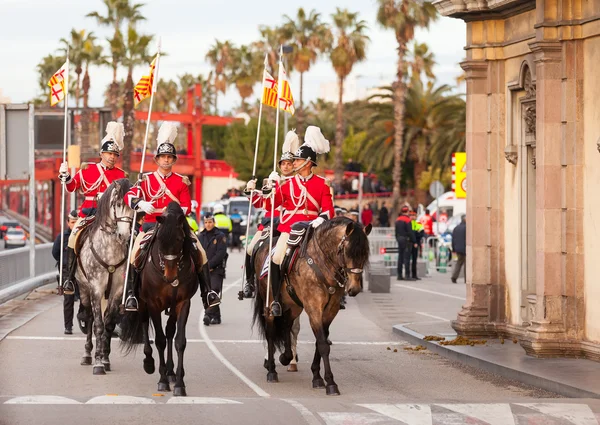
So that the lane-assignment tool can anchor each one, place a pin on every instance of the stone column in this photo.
(546, 335)
(473, 319)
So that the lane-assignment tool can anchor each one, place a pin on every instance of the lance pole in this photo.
(64, 184)
(140, 175)
(249, 219)
(272, 195)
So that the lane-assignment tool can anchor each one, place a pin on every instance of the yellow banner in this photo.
(459, 174)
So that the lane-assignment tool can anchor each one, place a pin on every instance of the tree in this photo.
(46, 69)
(403, 17)
(245, 70)
(271, 39)
(311, 37)
(76, 45)
(421, 62)
(92, 55)
(220, 56)
(117, 13)
(350, 48)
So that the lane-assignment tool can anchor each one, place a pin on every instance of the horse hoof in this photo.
(292, 368)
(332, 390)
(285, 360)
(318, 383)
(86, 361)
(272, 377)
(106, 366)
(164, 386)
(172, 378)
(149, 367)
(179, 392)
(99, 370)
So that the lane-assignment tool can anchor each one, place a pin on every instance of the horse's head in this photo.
(352, 252)
(113, 215)
(172, 233)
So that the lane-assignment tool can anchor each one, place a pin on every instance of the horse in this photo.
(330, 262)
(101, 270)
(169, 281)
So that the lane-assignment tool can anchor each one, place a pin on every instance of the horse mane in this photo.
(166, 230)
(357, 249)
(103, 208)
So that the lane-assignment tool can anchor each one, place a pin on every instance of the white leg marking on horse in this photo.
(410, 414)
(441, 294)
(211, 346)
(306, 414)
(578, 414)
(41, 399)
(201, 400)
(493, 414)
(119, 399)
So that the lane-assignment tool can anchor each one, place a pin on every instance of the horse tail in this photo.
(278, 331)
(132, 326)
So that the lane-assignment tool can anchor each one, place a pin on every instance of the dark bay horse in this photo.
(169, 281)
(330, 262)
(101, 268)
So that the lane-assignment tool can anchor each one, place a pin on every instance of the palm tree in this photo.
(403, 17)
(77, 45)
(117, 13)
(311, 37)
(350, 48)
(220, 57)
(271, 39)
(421, 62)
(92, 55)
(245, 70)
(46, 69)
(136, 49)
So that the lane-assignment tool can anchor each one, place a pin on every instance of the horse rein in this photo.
(115, 221)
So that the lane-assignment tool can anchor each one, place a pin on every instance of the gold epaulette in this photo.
(84, 165)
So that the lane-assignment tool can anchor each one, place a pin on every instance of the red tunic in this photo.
(161, 191)
(92, 181)
(297, 207)
(264, 202)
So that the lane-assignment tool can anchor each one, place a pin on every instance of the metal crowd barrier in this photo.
(14, 264)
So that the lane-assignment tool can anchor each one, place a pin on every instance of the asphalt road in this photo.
(41, 380)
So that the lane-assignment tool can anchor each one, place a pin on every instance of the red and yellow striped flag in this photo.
(286, 100)
(269, 96)
(57, 85)
(270, 89)
(143, 88)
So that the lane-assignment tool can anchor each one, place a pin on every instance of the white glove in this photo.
(146, 206)
(274, 177)
(250, 186)
(63, 172)
(317, 222)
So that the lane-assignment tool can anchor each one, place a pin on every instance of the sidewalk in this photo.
(426, 307)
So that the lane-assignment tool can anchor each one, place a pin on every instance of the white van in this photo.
(449, 204)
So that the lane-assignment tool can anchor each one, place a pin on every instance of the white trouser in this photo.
(253, 243)
(73, 235)
(140, 236)
(280, 248)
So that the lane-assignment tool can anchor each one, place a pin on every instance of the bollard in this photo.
(443, 259)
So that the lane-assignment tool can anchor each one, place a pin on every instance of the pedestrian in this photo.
(459, 246)
(366, 216)
(236, 230)
(419, 234)
(384, 216)
(214, 242)
(405, 237)
(68, 299)
(222, 222)
(427, 222)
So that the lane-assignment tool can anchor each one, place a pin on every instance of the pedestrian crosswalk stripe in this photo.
(119, 399)
(201, 400)
(577, 414)
(343, 418)
(410, 414)
(41, 399)
(493, 414)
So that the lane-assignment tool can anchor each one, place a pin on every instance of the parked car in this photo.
(14, 238)
(6, 223)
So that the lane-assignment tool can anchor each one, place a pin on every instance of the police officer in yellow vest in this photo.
(419, 231)
(222, 222)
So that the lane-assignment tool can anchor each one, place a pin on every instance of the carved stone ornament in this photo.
(512, 154)
(528, 85)
(530, 116)
(533, 158)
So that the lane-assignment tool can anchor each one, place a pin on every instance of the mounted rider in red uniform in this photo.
(306, 197)
(92, 180)
(259, 200)
(152, 195)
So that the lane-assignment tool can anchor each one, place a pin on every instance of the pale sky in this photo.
(31, 29)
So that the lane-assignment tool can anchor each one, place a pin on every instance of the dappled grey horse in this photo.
(102, 257)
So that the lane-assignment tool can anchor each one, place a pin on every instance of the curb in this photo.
(498, 369)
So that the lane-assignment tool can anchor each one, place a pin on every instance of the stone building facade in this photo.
(533, 142)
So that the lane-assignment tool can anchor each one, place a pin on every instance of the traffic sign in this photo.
(436, 189)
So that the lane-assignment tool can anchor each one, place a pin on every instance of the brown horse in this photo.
(330, 262)
(169, 281)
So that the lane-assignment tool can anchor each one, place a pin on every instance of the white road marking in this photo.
(201, 400)
(119, 399)
(577, 414)
(41, 399)
(493, 414)
(211, 346)
(410, 414)
(349, 418)
(432, 316)
(306, 414)
(441, 294)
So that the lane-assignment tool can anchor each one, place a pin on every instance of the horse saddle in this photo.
(141, 255)
(297, 236)
(79, 230)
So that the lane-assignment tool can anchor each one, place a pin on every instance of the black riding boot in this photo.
(209, 297)
(276, 285)
(131, 303)
(249, 284)
(69, 282)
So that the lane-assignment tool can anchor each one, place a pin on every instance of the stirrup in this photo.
(275, 309)
(68, 287)
(212, 299)
(248, 290)
(131, 303)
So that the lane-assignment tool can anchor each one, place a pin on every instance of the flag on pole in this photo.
(269, 96)
(57, 84)
(143, 88)
(286, 100)
(270, 89)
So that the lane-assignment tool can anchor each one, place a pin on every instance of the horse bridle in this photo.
(341, 272)
(115, 221)
(169, 257)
